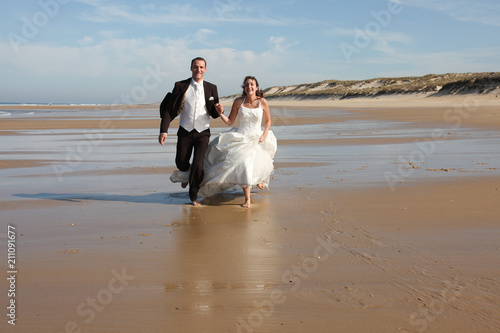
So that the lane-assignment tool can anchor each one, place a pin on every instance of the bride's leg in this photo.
(246, 192)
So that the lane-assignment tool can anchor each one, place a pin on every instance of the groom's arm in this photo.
(167, 108)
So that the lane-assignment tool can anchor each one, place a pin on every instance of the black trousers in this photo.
(187, 143)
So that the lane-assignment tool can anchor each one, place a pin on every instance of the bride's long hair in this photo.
(259, 92)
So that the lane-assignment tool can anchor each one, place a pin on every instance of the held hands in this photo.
(220, 108)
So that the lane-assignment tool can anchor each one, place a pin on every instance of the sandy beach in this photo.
(382, 216)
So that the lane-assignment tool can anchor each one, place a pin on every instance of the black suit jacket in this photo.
(171, 106)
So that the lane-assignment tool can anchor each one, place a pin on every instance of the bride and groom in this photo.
(236, 159)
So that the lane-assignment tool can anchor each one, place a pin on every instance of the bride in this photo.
(241, 157)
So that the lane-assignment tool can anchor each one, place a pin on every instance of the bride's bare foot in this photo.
(183, 185)
(246, 191)
(261, 186)
(196, 203)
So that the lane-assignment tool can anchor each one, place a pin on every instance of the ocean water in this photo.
(118, 112)
(38, 104)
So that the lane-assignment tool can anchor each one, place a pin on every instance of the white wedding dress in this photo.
(236, 158)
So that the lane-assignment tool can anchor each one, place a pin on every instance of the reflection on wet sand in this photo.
(220, 263)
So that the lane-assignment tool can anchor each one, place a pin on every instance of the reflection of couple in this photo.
(239, 158)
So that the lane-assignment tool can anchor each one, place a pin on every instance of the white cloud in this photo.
(341, 32)
(87, 40)
(478, 11)
(100, 71)
(465, 60)
(278, 44)
(173, 14)
(109, 34)
(384, 40)
(202, 36)
(147, 14)
(381, 41)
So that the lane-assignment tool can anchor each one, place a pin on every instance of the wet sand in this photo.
(381, 217)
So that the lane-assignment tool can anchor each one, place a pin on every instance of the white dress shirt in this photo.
(194, 115)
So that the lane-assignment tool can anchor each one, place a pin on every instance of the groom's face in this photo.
(198, 69)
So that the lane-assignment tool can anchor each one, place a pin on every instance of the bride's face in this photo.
(250, 87)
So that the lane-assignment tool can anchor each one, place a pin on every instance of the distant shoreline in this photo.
(383, 101)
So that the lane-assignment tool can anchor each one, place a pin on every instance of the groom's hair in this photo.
(198, 58)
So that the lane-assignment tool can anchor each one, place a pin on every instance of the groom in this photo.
(195, 100)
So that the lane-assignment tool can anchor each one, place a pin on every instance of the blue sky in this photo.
(109, 51)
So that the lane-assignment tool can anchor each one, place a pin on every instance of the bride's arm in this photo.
(234, 112)
(267, 118)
